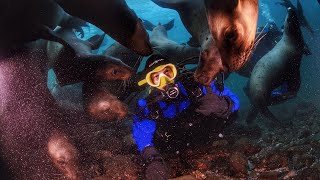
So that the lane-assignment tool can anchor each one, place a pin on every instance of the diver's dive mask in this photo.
(161, 76)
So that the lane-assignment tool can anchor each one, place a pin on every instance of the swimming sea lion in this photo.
(281, 65)
(75, 63)
(101, 100)
(171, 49)
(28, 117)
(21, 19)
(302, 19)
(224, 31)
(114, 18)
(269, 39)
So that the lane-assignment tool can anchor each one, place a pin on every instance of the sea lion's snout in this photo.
(114, 70)
(106, 107)
(64, 155)
(233, 26)
(209, 66)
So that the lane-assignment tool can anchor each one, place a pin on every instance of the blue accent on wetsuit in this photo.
(143, 127)
(279, 91)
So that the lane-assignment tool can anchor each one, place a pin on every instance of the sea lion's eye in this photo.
(114, 72)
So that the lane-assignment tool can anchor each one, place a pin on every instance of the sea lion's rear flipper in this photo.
(74, 23)
(193, 42)
(169, 25)
(319, 1)
(95, 41)
(148, 25)
(285, 3)
(171, 4)
(267, 113)
(252, 115)
(303, 18)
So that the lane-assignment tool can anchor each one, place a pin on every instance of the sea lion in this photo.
(232, 25)
(126, 55)
(91, 70)
(268, 36)
(75, 63)
(20, 20)
(281, 65)
(102, 100)
(178, 53)
(224, 31)
(302, 19)
(29, 115)
(114, 18)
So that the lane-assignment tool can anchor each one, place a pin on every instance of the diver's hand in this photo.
(156, 168)
(212, 104)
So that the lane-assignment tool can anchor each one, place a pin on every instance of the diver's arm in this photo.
(143, 131)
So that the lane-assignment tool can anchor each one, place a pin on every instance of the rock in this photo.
(274, 161)
(118, 167)
(304, 134)
(273, 175)
(245, 146)
(220, 143)
(199, 175)
(302, 161)
(239, 162)
(308, 173)
(187, 177)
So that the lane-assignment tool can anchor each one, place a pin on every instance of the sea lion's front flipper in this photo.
(171, 4)
(96, 40)
(169, 25)
(148, 25)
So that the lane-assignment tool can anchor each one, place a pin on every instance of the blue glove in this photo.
(142, 133)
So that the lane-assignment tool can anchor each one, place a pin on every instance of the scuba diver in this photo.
(177, 113)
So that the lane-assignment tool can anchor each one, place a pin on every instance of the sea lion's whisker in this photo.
(258, 41)
(137, 61)
(258, 36)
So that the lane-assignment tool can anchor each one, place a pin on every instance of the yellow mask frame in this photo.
(163, 79)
